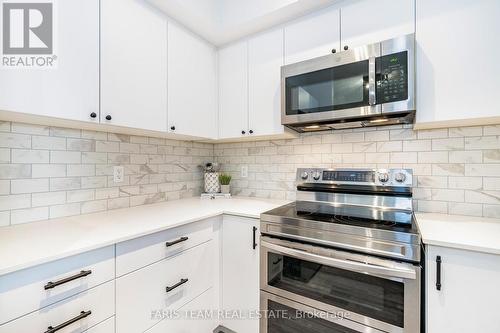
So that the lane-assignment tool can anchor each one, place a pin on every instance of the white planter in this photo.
(225, 189)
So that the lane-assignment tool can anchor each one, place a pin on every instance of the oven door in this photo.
(374, 292)
(332, 87)
(286, 316)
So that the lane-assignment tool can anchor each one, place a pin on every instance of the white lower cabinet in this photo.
(107, 326)
(469, 295)
(163, 286)
(83, 310)
(240, 272)
(198, 316)
(52, 282)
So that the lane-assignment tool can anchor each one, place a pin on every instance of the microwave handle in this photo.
(391, 272)
(372, 100)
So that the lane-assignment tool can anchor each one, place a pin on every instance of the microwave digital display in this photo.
(392, 77)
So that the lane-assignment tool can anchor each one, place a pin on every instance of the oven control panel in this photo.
(379, 177)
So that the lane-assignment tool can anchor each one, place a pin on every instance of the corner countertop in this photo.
(28, 245)
(460, 232)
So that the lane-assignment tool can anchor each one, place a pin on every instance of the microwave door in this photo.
(337, 92)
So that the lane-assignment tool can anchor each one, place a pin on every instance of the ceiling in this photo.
(223, 21)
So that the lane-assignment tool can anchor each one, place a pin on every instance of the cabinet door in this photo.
(470, 295)
(133, 65)
(71, 90)
(455, 81)
(313, 36)
(240, 271)
(366, 22)
(192, 90)
(265, 58)
(233, 90)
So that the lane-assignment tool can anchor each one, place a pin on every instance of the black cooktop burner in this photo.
(369, 217)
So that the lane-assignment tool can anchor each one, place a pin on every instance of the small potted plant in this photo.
(224, 180)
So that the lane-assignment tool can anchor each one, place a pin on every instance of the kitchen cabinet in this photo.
(470, 295)
(70, 90)
(250, 87)
(192, 84)
(240, 272)
(313, 36)
(456, 84)
(366, 22)
(265, 58)
(233, 90)
(133, 65)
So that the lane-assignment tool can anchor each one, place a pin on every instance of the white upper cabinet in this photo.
(313, 36)
(445, 88)
(233, 90)
(192, 84)
(71, 89)
(265, 58)
(366, 22)
(469, 297)
(133, 65)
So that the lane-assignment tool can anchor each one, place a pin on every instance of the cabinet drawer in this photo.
(136, 253)
(141, 293)
(107, 326)
(192, 317)
(99, 301)
(25, 291)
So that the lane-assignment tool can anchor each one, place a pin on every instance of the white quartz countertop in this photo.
(35, 243)
(460, 232)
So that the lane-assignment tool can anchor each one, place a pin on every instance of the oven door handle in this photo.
(390, 272)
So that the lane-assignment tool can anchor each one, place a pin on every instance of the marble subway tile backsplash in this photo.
(457, 170)
(48, 172)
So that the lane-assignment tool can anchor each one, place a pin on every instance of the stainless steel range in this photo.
(345, 257)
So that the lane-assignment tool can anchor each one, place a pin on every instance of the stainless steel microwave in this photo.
(365, 86)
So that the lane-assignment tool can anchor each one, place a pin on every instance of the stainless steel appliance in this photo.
(345, 257)
(365, 86)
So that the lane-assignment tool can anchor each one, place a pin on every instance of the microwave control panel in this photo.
(392, 77)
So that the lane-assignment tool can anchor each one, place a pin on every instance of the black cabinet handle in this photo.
(334, 51)
(108, 117)
(180, 240)
(93, 115)
(172, 128)
(180, 283)
(346, 47)
(51, 284)
(243, 132)
(82, 315)
(438, 272)
(254, 237)
(251, 131)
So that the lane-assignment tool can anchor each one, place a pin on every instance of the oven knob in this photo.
(304, 175)
(316, 175)
(383, 177)
(400, 177)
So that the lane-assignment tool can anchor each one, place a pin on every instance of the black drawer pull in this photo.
(51, 284)
(438, 272)
(254, 237)
(180, 240)
(180, 283)
(82, 315)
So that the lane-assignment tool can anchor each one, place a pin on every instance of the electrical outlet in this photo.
(244, 171)
(118, 174)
